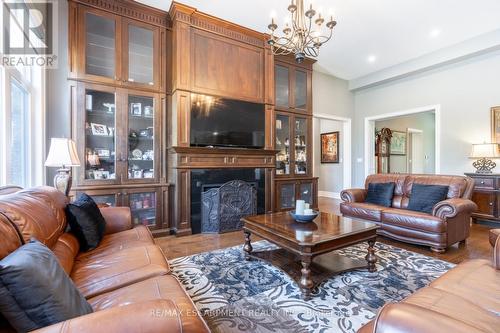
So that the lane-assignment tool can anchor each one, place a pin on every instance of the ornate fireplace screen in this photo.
(223, 207)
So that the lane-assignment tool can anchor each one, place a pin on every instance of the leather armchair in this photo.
(465, 299)
(153, 316)
(405, 318)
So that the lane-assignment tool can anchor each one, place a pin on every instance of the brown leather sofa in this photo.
(465, 299)
(448, 224)
(125, 279)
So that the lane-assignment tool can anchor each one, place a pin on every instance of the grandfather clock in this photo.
(382, 150)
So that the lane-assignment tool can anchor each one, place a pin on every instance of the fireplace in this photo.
(223, 207)
(204, 181)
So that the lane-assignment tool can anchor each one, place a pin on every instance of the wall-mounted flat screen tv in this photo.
(221, 122)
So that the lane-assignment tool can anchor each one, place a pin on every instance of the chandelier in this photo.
(301, 37)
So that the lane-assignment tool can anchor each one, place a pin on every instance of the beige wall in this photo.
(331, 97)
(465, 92)
(425, 122)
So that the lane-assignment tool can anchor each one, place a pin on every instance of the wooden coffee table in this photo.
(305, 252)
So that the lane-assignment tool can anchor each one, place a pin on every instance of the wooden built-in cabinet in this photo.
(149, 206)
(118, 135)
(486, 195)
(118, 80)
(293, 134)
(293, 85)
(115, 49)
(290, 190)
(293, 142)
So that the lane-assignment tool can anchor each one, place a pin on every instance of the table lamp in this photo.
(484, 152)
(62, 154)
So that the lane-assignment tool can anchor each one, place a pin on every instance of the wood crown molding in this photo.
(290, 59)
(190, 15)
(131, 9)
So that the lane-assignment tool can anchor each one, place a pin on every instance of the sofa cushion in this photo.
(413, 220)
(424, 197)
(66, 249)
(362, 210)
(94, 275)
(163, 287)
(455, 306)
(475, 280)
(35, 291)
(86, 222)
(380, 194)
(139, 236)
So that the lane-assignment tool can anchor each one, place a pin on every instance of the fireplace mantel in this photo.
(217, 158)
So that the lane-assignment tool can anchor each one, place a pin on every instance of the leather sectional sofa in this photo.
(448, 224)
(466, 299)
(125, 279)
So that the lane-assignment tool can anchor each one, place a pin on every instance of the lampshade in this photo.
(485, 150)
(62, 153)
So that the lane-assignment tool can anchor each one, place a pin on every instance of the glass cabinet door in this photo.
(100, 135)
(141, 136)
(283, 135)
(306, 193)
(300, 90)
(282, 87)
(141, 54)
(100, 44)
(287, 195)
(300, 146)
(143, 207)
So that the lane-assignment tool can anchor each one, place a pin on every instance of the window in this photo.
(21, 126)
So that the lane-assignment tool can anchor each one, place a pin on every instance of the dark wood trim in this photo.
(215, 25)
(131, 9)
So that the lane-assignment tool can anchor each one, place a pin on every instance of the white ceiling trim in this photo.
(482, 44)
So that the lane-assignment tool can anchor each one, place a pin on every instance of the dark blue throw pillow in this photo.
(380, 194)
(86, 222)
(423, 198)
(35, 291)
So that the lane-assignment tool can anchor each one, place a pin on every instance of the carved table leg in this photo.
(306, 283)
(371, 258)
(248, 246)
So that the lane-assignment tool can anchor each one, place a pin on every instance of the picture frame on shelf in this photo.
(148, 174)
(148, 111)
(101, 174)
(136, 109)
(330, 147)
(398, 143)
(99, 129)
(102, 152)
(495, 124)
(138, 174)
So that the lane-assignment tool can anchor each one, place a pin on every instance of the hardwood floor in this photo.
(477, 245)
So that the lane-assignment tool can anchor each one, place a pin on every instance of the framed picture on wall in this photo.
(330, 147)
(398, 143)
(495, 124)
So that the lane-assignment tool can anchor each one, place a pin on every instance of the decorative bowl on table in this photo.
(303, 218)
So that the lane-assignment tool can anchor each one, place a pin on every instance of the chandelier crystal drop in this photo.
(303, 35)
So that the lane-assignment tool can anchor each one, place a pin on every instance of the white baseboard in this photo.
(333, 195)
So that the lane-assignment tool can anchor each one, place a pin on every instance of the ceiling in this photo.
(371, 35)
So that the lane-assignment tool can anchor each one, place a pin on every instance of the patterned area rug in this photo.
(235, 295)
